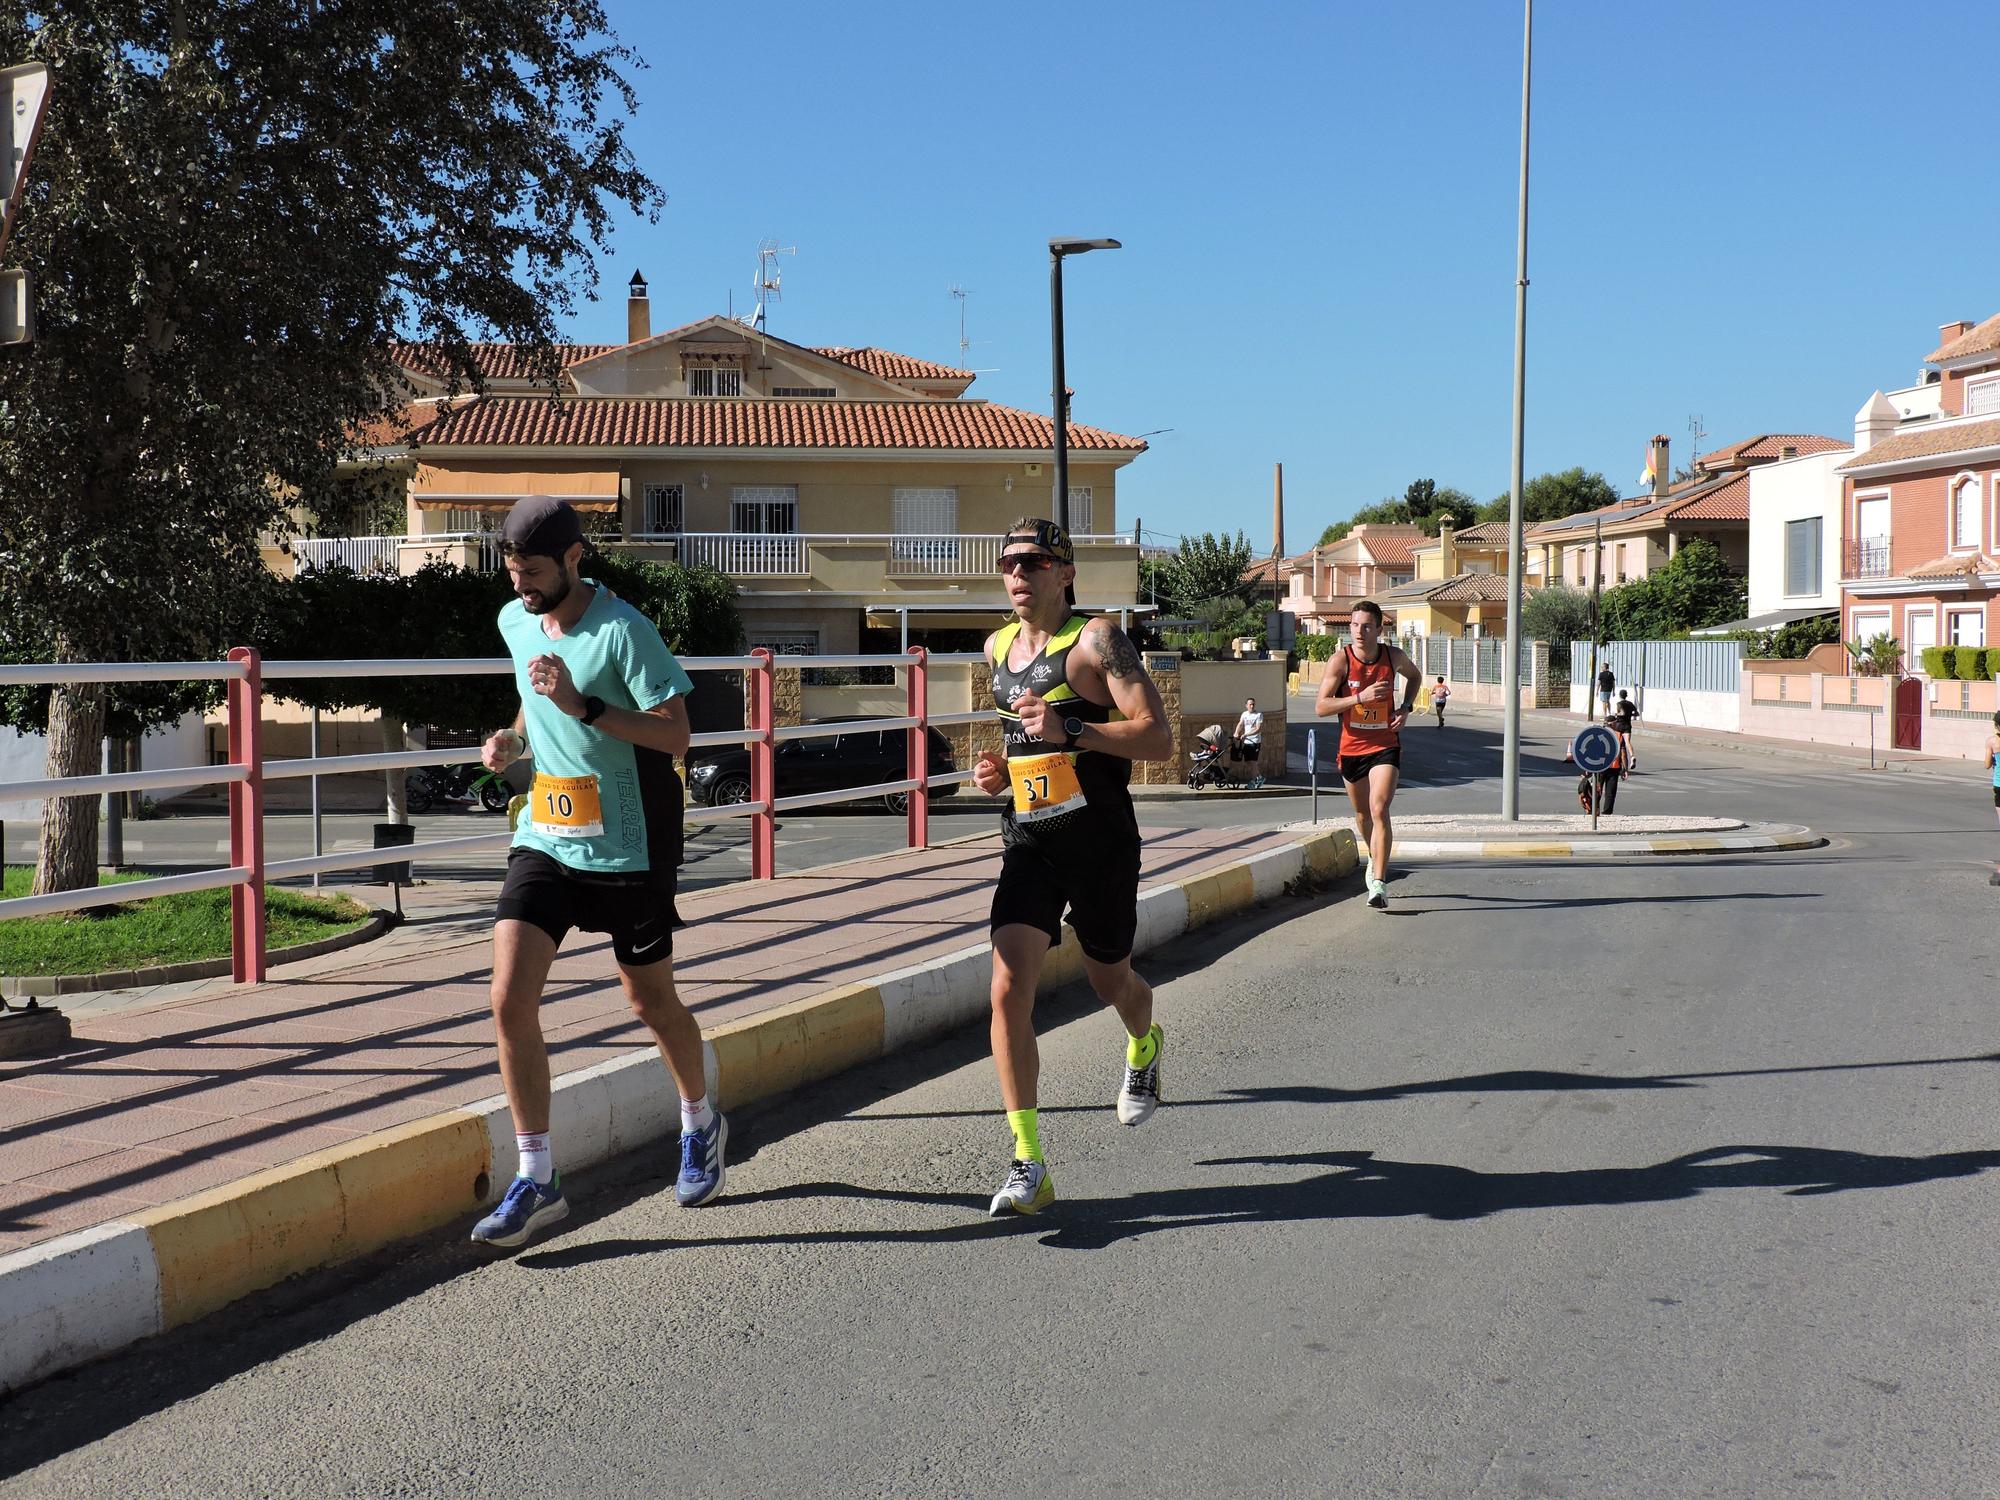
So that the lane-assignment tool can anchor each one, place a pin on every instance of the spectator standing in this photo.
(1247, 743)
(1606, 681)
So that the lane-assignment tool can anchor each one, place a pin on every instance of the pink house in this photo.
(1324, 583)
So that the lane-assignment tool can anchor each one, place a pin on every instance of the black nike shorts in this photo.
(1356, 767)
(637, 910)
(1100, 889)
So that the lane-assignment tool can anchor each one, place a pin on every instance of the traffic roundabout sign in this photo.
(1594, 749)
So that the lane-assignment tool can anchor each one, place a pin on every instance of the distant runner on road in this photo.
(604, 711)
(1076, 709)
(1993, 765)
(1623, 712)
(1359, 686)
(1439, 695)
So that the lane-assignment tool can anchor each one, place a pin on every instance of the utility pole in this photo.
(1596, 629)
(1277, 556)
(1510, 672)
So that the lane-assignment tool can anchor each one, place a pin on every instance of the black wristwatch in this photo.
(593, 709)
(1074, 729)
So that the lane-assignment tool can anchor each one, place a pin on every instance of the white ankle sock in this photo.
(536, 1161)
(695, 1114)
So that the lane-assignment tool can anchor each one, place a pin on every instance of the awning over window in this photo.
(465, 489)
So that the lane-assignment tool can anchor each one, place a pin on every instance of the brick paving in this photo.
(157, 1102)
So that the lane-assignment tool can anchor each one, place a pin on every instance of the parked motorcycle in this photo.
(428, 785)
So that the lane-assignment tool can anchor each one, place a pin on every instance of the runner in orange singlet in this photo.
(1359, 686)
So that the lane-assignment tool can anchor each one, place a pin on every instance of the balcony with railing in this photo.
(1866, 557)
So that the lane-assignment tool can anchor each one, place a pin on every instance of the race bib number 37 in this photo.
(1044, 785)
(566, 807)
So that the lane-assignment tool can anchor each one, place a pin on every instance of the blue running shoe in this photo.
(526, 1208)
(702, 1163)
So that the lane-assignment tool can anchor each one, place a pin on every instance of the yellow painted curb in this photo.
(1527, 851)
(331, 1206)
(1331, 854)
(1673, 846)
(795, 1044)
(1217, 893)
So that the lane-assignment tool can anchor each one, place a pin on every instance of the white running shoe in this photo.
(1028, 1190)
(1139, 1094)
(1378, 894)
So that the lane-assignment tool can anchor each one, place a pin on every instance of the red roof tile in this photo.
(886, 364)
(1769, 445)
(1976, 341)
(677, 422)
(1960, 565)
(1729, 502)
(1928, 442)
(494, 361)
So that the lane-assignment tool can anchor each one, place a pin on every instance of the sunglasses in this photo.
(1026, 562)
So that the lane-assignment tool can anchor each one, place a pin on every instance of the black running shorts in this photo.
(1101, 892)
(1356, 767)
(637, 910)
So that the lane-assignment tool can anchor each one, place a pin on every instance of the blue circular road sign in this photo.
(1595, 748)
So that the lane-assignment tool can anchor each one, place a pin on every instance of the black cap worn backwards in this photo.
(541, 526)
(1044, 534)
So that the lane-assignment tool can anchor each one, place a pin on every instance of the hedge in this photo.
(1972, 664)
(1940, 662)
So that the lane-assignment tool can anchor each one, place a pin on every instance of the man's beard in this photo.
(552, 600)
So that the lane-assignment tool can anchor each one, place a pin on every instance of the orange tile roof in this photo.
(1975, 341)
(1769, 445)
(886, 364)
(397, 427)
(698, 422)
(1729, 502)
(1472, 588)
(1392, 551)
(1963, 564)
(1928, 442)
(494, 361)
(1485, 534)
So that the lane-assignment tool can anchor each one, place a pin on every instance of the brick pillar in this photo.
(969, 740)
(788, 695)
(1271, 763)
(1165, 670)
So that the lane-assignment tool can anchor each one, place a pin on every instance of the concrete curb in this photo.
(45, 985)
(90, 1293)
(1603, 847)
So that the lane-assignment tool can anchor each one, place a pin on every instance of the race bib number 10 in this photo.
(1044, 785)
(566, 807)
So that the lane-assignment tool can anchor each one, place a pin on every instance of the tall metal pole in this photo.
(1060, 513)
(1596, 620)
(1510, 779)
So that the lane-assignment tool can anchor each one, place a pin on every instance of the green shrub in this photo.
(1318, 647)
(1940, 662)
(1971, 664)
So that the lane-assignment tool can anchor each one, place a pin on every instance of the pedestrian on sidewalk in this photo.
(1359, 687)
(1623, 712)
(1606, 681)
(1069, 836)
(1247, 743)
(597, 845)
(1438, 696)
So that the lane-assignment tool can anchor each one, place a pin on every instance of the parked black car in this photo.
(820, 764)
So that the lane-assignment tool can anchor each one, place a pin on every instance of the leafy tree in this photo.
(232, 215)
(1206, 567)
(1423, 504)
(1557, 614)
(1694, 590)
(1550, 497)
(1791, 642)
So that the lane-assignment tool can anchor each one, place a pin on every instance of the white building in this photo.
(1795, 508)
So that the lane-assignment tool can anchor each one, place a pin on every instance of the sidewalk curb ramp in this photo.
(1771, 840)
(95, 1291)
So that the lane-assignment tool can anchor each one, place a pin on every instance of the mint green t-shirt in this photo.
(598, 804)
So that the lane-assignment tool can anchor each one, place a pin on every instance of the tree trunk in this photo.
(396, 736)
(67, 860)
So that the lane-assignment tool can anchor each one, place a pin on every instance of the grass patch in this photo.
(156, 930)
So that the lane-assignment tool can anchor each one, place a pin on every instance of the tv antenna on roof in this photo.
(768, 285)
(964, 344)
(1696, 435)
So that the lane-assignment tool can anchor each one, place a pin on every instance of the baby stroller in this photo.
(1208, 767)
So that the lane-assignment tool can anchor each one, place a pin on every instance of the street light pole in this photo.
(1058, 248)
(1510, 763)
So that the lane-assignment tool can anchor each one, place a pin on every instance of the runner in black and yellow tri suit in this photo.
(1077, 709)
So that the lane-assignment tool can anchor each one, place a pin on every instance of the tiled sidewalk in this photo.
(156, 1103)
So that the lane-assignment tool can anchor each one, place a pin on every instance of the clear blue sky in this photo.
(1756, 211)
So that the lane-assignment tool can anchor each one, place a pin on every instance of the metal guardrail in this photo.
(246, 772)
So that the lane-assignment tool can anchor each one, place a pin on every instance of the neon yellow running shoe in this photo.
(1028, 1189)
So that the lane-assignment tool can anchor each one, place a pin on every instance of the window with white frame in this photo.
(1802, 556)
(1919, 635)
(1080, 522)
(666, 510)
(1965, 515)
(925, 523)
(1865, 626)
(715, 380)
(1966, 627)
(1982, 397)
(764, 509)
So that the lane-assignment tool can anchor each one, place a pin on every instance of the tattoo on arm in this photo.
(1116, 653)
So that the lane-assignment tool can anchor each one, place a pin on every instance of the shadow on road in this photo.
(1355, 1185)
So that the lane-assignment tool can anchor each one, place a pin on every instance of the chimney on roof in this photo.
(1949, 331)
(1663, 473)
(638, 311)
(1447, 549)
(1875, 421)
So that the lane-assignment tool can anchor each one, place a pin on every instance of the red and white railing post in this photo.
(918, 675)
(246, 818)
(763, 766)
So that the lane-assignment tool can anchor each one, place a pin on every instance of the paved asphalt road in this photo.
(1653, 1178)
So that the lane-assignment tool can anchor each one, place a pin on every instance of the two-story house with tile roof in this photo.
(1323, 584)
(1460, 587)
(845, 490)
(1921, 503)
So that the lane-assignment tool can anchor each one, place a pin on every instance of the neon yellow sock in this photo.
(1027, 1134)
(1141, 1050)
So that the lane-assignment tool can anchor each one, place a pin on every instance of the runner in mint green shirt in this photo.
(603, 713)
